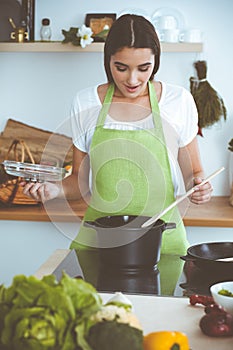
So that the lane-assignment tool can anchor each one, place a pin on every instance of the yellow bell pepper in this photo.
(166, 340)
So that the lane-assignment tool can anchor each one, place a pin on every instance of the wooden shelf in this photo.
(95, 47)
(182, 47)
(216, 213)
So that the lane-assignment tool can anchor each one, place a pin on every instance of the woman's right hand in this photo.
(42, 191)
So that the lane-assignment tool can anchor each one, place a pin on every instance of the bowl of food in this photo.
(222, 294)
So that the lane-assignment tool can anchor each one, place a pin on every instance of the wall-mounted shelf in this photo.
(95, 47)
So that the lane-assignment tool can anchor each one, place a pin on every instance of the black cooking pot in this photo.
(206, 255)
(124, 243)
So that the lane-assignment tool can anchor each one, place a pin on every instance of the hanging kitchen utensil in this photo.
(158, 216)
(210, 105)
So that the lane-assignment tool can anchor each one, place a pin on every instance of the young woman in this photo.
(134, 141)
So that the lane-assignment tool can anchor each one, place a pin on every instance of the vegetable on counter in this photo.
(41, 314)
(166, 340)
(200, 299)
(115, 335)
(114, 327)
(66, 315)
(217, 322)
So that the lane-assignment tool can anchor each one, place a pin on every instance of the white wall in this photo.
(37, 88)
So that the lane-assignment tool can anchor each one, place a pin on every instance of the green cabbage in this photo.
(42, 314)
(66, 315)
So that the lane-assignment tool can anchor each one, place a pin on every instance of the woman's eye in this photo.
(143, 69)
(120, 69)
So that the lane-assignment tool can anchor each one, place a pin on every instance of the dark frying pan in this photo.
(206, 255)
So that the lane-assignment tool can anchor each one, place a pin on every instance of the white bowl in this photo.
(225, 301)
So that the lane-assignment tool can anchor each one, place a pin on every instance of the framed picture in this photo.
(21, 12)
(98, 22)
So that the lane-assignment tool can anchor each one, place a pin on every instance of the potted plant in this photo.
(230, 147)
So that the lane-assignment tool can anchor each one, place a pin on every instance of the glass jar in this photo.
(45, 31)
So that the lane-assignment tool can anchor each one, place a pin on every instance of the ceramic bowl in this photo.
(225, 301)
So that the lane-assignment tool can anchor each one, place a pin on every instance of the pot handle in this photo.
(169, 225)
(90, 224)
(187, 258)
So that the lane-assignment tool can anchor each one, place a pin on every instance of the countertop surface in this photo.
(174, 313)
(217, 213)
(155, 312)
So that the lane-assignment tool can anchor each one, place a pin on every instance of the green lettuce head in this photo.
(41, 314)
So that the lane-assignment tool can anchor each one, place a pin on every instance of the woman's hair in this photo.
(131, 31)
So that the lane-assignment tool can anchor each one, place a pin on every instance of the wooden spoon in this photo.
(158, 216)
(230, 259)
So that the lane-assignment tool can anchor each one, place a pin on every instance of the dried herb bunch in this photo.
(210, 105)
(230, 145)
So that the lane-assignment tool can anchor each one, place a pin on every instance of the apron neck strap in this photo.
(153, 102)
(106, 105)
(154, 106)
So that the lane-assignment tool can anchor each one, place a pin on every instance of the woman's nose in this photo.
(132, 78)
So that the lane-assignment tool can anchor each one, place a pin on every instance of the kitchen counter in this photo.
(155, 312)
(216, 213)
(170, 313)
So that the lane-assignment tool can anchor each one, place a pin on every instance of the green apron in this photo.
(131, 175)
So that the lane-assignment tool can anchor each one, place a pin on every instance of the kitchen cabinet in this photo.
(94, 47)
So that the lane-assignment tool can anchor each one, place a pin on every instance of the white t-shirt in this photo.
(177, 110)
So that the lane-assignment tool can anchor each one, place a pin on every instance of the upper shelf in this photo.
(95, 47)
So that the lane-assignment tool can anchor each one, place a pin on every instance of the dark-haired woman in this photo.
(134, 143)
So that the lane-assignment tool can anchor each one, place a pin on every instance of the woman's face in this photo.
(131, 69)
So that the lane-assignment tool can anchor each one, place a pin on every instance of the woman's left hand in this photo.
(201, 194)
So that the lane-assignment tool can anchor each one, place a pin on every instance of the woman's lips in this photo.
(131, 88)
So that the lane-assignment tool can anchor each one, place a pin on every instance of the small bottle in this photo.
(45, 31)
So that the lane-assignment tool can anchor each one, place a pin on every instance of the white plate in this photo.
(34, 172)
(168, 11)
(135, 11)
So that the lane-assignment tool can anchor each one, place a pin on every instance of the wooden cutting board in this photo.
(44, 145)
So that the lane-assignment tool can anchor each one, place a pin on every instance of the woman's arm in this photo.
(191, 167)
(76, 185)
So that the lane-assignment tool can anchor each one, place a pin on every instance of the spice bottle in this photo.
(45, 31)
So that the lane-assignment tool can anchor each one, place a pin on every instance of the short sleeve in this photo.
(189, 127)
(76, 127)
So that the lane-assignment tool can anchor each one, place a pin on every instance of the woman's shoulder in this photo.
(173, 91)
(85, 93)
(86, 98)
(91, 96)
